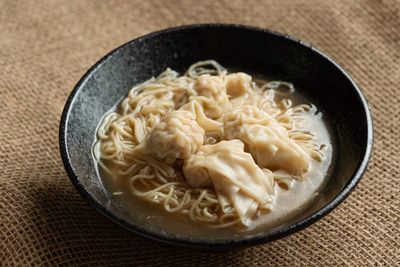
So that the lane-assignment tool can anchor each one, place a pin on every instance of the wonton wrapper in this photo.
(238, 84)
(237, 180)
(212, 95)
(266, 139)
(177, 136)
(208, 125)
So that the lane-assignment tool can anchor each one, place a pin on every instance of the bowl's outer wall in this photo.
(253, 51)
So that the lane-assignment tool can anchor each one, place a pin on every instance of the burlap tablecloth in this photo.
(46, 46)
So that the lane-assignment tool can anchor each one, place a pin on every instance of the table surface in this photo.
(46, 46)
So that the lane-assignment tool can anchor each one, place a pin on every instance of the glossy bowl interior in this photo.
(238, 47)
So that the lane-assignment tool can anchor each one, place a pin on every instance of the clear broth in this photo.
(287, 204)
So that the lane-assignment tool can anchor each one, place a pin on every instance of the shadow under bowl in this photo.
(238, 47)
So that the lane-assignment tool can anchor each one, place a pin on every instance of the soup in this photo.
(209, 149)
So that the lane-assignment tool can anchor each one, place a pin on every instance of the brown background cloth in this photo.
(46, 46)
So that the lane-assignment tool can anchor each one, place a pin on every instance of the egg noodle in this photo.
(208, 144)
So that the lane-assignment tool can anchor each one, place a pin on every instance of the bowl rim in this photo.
(216, 244)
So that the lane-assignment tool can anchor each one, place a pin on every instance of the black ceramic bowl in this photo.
(248, 49)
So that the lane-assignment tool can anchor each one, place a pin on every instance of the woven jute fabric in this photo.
(46, 46)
